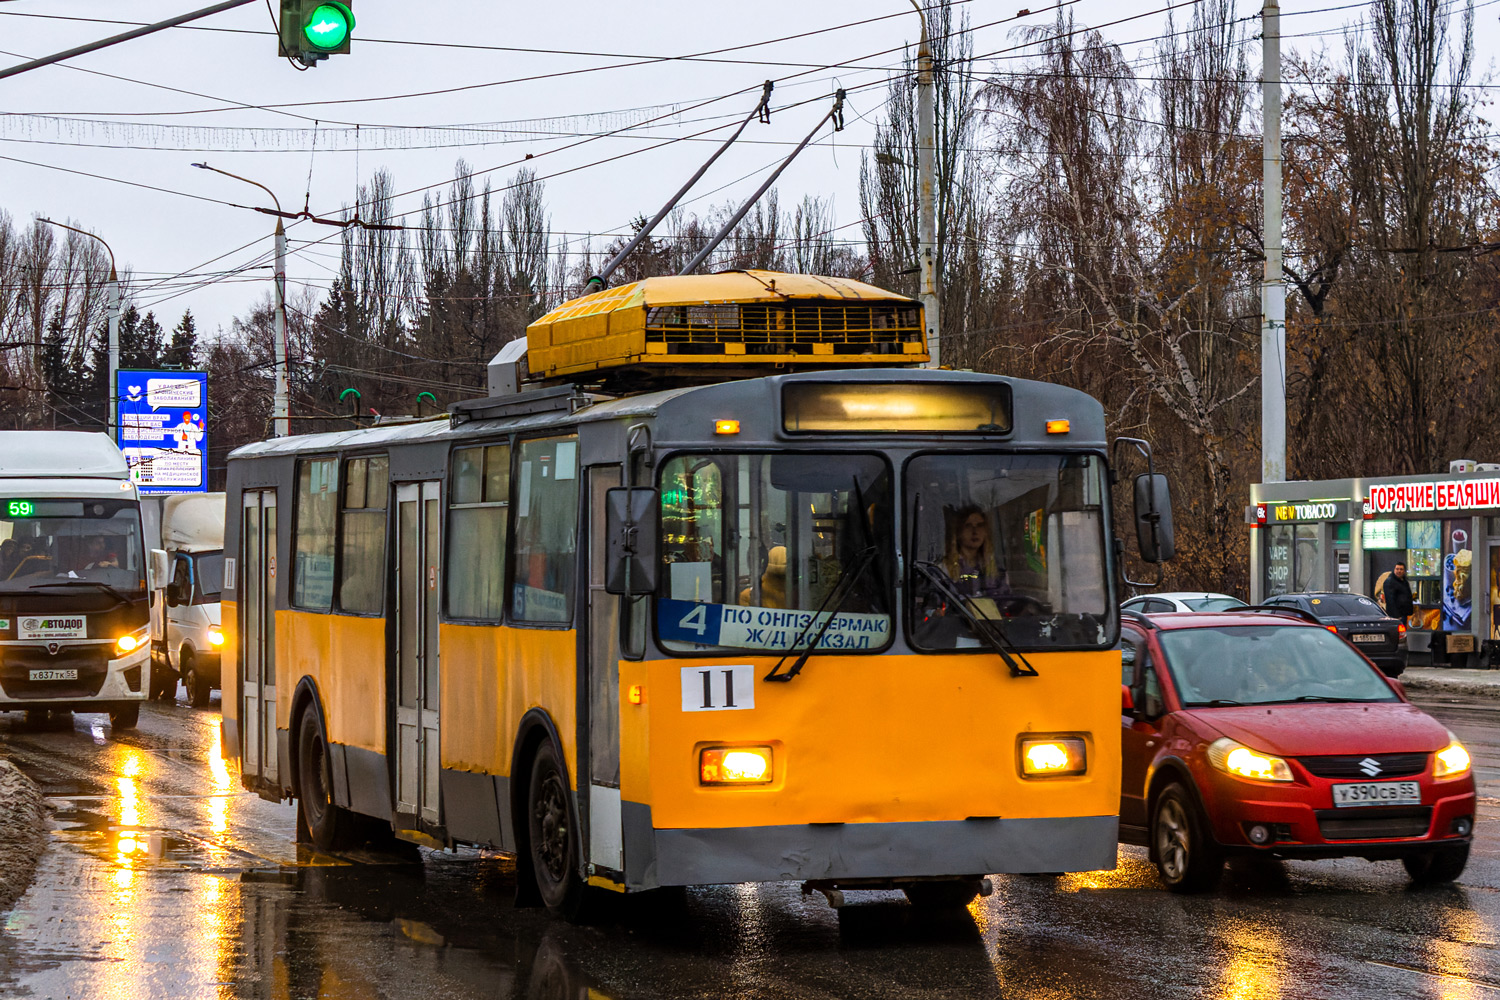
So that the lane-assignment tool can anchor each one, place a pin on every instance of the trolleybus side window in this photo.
(317, 502)
(1018, 540)
(479, 496)
(362, 535)
(546, 533)
(755, 544)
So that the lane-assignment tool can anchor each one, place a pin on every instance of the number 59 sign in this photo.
(718, 688)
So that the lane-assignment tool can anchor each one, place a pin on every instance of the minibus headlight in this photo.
(1054, 756)
(215, 637)
(131, 641)
(1242, 762)
(1452, 760)
(735, 766)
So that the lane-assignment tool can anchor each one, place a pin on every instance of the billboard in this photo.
(163, 429)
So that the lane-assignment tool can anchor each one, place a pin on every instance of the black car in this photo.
(1360, 620)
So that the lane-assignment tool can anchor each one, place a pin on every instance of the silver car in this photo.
(1184, 600)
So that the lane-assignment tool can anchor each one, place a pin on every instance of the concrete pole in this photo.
(114, 353)
(281, 416)
(927, 193)
(1273, 288)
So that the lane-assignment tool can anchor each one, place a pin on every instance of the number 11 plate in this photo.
(1378, 793)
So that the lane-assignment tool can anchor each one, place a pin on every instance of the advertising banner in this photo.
(163, 429)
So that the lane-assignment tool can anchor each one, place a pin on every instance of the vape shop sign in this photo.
(1399, 498)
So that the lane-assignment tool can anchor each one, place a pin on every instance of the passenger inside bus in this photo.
(10, 555)
(32, 560)
(772, 581)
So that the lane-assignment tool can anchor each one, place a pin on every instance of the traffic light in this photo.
(315, 29)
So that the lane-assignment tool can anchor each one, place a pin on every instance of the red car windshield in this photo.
(1267, 664)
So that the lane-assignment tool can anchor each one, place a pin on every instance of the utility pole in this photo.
(112, 392)
(927, 192)
(1273, 287)
(281, 410)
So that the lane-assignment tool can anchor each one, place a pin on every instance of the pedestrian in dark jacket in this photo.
(1397, 593)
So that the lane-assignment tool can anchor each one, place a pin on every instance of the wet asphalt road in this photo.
(164, 880)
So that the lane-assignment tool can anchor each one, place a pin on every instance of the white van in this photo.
(188, 573)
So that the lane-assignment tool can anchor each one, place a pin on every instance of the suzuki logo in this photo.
(1370, 766)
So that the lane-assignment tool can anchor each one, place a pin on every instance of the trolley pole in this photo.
(1273, 287)
(927, 192)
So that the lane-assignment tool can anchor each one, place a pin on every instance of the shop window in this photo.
(1293, 563)
(546, 538)
(362, 535)
(479, 499)
(317, 499)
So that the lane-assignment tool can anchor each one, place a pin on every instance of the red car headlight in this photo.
(1235, 758)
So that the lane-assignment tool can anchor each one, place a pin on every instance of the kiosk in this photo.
(1348, 534)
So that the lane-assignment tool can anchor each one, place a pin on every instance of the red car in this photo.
(1259, 732)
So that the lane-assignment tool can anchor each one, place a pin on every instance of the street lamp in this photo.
(114, 324)
(926, 187)
(281, 417)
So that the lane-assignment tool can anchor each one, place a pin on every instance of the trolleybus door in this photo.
(258, 629)
(418, 547)
(606, 843)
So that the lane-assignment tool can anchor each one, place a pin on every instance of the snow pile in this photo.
(23, 832)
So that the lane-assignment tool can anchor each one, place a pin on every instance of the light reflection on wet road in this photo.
(165, 880)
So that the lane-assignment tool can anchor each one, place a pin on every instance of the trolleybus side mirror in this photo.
(1153, 518)
(159, 569)
(632, 540)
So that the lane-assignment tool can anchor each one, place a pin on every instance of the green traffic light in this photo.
(329, 25)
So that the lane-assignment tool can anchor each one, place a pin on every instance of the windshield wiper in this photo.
(992, 634)
(1223, 702)
(841, 590)
(83, 583)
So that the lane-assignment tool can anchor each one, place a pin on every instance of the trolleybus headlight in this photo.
(1053, 757)
(215, 637)
(1242, 762)
(1452, 760)
(735, 766)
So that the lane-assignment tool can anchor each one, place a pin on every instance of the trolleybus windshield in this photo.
(753, 545)
(1020, 538)
(57, 541)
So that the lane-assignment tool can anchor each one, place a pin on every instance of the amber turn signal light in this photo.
(735, 766)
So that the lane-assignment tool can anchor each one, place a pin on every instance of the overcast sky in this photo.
(133, 126)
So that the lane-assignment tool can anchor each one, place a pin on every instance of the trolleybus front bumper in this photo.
(833, 851)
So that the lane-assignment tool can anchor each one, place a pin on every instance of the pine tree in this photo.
(182, 352)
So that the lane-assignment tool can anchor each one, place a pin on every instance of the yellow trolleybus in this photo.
(724, 590)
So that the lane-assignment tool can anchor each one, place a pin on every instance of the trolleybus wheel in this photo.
(553, 835)
(942, 895)
(197, 687)
(329, 826)
(1186, 857)
(125, 715)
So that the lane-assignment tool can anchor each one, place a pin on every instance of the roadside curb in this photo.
(1478, 683)
(23, 832)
